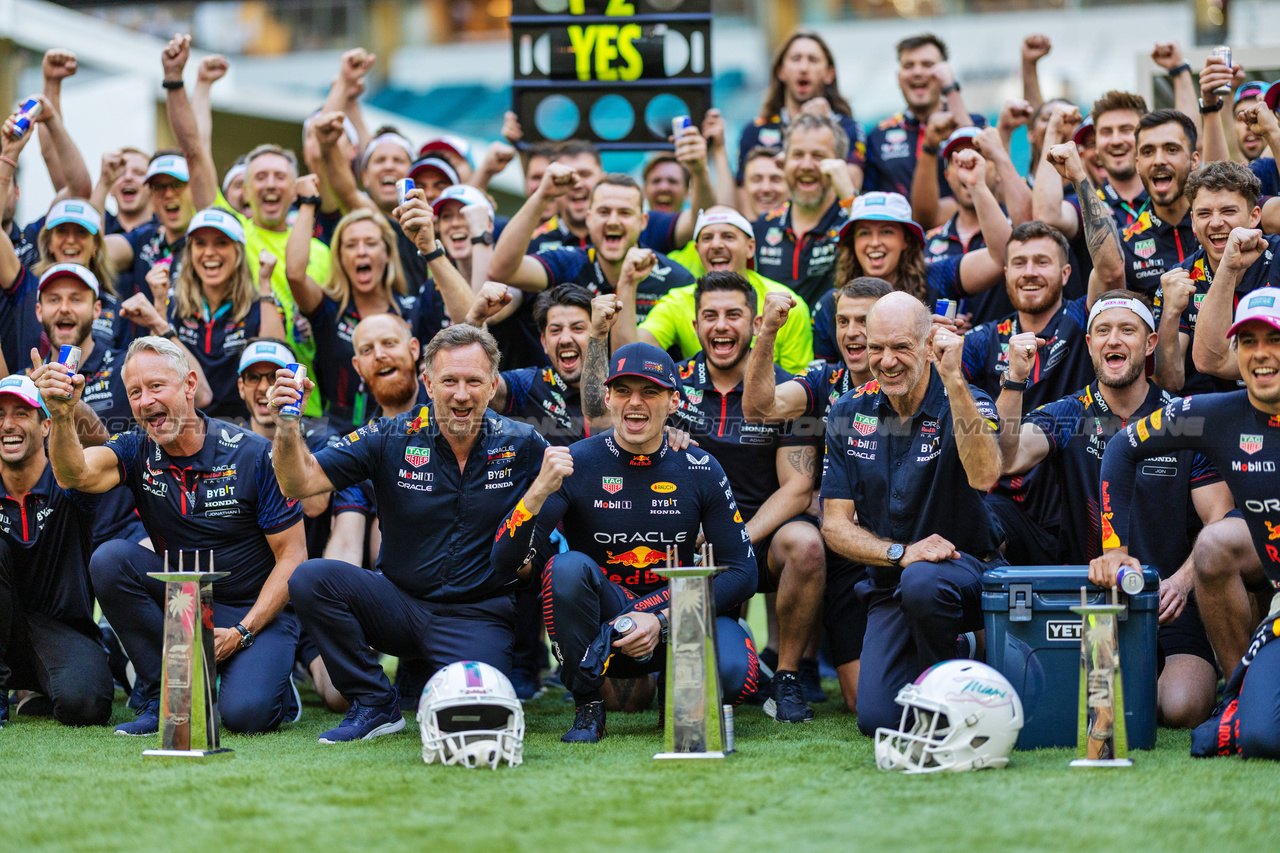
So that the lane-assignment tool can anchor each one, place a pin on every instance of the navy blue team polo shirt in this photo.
(806, 263)
(216, 343)
(892, 151)
(1152, 247)
(438, 522)
(223, 499)
(1263, 273)
(906, 480)
(539, 397)
(49, 534)
(746, 451)
(581, 266)
(772, 133)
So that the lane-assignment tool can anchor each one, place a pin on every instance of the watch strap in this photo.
(1014, 385)
(1204, 111)
(433, 254)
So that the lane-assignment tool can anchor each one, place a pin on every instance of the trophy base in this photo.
(189, 753)
(1102, 762)
(666, 755)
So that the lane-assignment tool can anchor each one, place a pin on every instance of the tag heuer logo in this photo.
(1250, 444)
(1199, 297)
(937, 247)
(694, 395)
(417, 456)
(864, 424)
(1145, 248)
(612, 485)
(773, 236)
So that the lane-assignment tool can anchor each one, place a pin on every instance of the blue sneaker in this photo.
(588, 724)
(787, 704)
(528, 687)
(365, 722)
(147, 723)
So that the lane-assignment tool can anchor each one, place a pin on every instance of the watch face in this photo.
(895, 552)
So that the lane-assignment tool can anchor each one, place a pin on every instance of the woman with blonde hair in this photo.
(365, 279)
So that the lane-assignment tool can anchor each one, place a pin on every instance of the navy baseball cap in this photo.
(645, 361)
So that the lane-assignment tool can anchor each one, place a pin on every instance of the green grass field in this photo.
(789, 789)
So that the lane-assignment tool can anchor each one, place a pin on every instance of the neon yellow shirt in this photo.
(671, 320)
(255, 240)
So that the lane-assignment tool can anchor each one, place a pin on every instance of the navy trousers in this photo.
(350, 612)
(254, 693)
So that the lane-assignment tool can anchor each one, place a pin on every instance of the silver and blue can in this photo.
(679, 123)
(946, 308)
(27, 113)
(70, 356)
(728, 729)
(403, 188)
(1223, 52)
(292, 411)
(625, 625)
(1130, 580)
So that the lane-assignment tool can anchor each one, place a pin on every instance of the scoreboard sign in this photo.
(614, 72)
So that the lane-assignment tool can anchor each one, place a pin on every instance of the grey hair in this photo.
(809, 121)
(174, 354)
(457, 337)
(272, 148)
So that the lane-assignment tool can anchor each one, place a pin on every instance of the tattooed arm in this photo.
(1100, 230)
(795, 483)
(595, 367)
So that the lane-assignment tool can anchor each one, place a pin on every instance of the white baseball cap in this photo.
(271, 352)
(884, 207)
(76, 271)
(448, 142)
(216, 217)
(77, 211)
(436, 164)
(723, 217)
(464, 194)
(173, 165)
(1261, 304)
(17, 385)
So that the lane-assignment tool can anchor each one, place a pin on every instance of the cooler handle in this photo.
(1020, 602)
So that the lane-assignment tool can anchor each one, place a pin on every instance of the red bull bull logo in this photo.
(639, 557)
(518, 516)
(416, 425)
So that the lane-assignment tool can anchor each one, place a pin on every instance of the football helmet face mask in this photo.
(469, 715)
(958, 715)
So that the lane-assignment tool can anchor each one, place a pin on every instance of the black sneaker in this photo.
(811, 681)
(4, 707)
(588, 724)
(787, 704)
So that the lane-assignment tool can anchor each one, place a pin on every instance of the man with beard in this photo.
(929, 86)
(1223, 196)
(612, 533)
(321, 513)
(723, 241)
(616, 221)
(436, 595)
(1071, 435)
(796, 242)
(201, 485)
(387, 360)
(49, 642)
(770, 469)
(909, 458)
(666, 183)
(805, 400)
(1239, 433)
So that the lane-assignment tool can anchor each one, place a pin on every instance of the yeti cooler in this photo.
(1034, 639)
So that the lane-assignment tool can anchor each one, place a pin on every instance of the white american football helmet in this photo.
(966, 717)
(469, 715)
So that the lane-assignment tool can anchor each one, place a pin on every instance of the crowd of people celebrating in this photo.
(865, 364)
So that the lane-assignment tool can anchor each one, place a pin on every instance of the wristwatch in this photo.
(953, 86)
(246, 636)
(1204, 111)
(1014, 385)
(895, 552)
(485, 239)
(665, 625)
(170, 333)
(433, 254)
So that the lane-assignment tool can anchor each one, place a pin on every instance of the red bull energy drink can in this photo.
(1223, 52)
(70, 356)
(1130, 580)
(625, 625)
(292, 411)
(403, 188)
(678, 124)
(27, 113)
(946, 308)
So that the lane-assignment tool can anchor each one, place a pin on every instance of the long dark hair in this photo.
(777, 96)
(911, 274)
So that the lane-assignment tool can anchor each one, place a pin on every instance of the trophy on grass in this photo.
(695, 724)
(189, 683)
(1102, 740)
